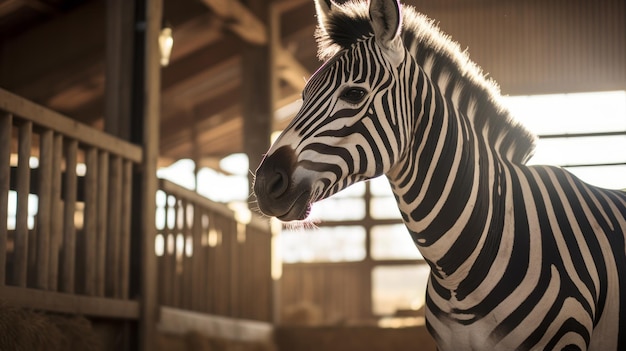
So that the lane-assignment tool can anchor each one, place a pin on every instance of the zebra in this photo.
(521, 257)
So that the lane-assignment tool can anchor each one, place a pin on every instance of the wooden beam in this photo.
(69, 303)
(290, 70)
(240, 20)
(186, 69)
(60, 39)
(196, 33)
(41, 6)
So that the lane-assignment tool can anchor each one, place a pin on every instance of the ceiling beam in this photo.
(240, 20)
(42, 49)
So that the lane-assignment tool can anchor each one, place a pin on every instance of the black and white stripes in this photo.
(522, 258)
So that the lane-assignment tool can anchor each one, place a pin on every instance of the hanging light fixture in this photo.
(166, 42)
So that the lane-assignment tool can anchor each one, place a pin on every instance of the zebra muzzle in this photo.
(277, 193)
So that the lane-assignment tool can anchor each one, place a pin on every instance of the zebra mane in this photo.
(350, 23)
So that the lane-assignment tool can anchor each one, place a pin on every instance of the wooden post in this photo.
(119, 66)
(258, 90)
(6, 125)
(145, 132)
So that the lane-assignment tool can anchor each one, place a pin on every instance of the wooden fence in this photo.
(66, 195)
(209, 261)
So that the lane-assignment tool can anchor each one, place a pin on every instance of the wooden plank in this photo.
(6, 126)
(181, 322)
(125, 222)
(49, 119)
(113, 231)
(56, 221)
(90, 226)
(44, 209)
(21, 220)
(102, 222)
(70, 304)
(68, 258)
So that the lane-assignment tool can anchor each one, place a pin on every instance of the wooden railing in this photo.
(67, 199)
(65, 195)
(209, 261)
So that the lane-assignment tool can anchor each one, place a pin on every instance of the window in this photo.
(393, 242)
(324, 244)
(584, 132)
(399, 287)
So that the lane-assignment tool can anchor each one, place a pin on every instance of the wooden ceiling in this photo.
(54, 52)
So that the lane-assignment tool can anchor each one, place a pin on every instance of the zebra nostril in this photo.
(278, 184)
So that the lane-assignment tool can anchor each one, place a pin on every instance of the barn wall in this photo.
(536, 46)
(339, 291)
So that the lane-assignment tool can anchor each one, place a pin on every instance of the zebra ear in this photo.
(386, 20)
(323, 8)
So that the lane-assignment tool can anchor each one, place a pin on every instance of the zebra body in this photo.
(522, 257)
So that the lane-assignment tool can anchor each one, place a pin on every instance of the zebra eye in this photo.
(353, 95)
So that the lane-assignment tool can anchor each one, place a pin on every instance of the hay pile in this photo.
(23, 329)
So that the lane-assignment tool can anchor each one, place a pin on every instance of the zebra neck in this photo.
(448, 186)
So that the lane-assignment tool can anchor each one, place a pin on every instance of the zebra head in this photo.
(350, 126)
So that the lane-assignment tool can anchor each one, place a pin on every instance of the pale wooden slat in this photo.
(56, 220)
(49, 119)
(177, 277)
(186, 287)
(102, 222)
(113, 229)
(90, 220)
(44, 209)
(196, 260)
(68, 258)
(170, 256)
(125, 221)
(23, 188)
(6, 125)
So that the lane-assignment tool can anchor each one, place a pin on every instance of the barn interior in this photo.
(125, 169)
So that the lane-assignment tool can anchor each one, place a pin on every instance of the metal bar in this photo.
(581, 135)
(594, 164)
